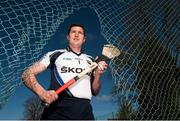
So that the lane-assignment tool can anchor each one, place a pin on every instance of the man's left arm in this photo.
(96, 83)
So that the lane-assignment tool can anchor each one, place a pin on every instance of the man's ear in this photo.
(84, 38)
(67, 37)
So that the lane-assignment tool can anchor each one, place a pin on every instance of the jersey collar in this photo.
(70, 50)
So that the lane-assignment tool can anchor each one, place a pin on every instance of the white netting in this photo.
(146, 73)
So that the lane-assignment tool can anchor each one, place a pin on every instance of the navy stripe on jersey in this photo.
(59, 80)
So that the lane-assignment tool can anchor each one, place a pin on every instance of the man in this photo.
(74, 102)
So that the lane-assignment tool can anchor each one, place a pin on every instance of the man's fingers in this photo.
(49, 96)
(52, 95)
(102, 65)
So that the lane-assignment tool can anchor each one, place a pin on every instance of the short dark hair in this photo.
(75, 24)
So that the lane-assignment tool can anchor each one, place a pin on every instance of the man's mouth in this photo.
(75, 39)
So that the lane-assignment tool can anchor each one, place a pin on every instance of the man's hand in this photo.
(102, 67)
(48, 96)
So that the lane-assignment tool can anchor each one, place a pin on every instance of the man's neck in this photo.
(76, 49)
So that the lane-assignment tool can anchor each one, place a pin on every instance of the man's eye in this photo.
(80, 32)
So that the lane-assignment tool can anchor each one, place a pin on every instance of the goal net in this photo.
(146, 74)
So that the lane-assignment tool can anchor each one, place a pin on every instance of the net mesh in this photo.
(146, 73)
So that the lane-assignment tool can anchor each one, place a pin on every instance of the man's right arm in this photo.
(30, 80)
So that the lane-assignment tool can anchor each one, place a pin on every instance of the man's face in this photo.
(76, 36)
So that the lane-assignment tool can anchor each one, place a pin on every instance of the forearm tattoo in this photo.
(28, 76)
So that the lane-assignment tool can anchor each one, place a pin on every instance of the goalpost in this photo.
(147, 72)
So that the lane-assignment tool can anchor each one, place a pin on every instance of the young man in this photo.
(74, 102)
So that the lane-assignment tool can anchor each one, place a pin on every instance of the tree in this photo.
(33, 108)
(126, 111)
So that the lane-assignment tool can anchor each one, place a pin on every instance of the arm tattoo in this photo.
(29, 77)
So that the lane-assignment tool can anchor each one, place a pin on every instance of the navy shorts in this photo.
(69, 108)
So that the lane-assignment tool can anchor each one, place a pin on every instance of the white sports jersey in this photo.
(66, 66)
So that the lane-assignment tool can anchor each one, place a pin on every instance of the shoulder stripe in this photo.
(54, 56)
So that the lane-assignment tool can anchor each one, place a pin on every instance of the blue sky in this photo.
(102, 104)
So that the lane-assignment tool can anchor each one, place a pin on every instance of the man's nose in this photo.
(76, 34)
